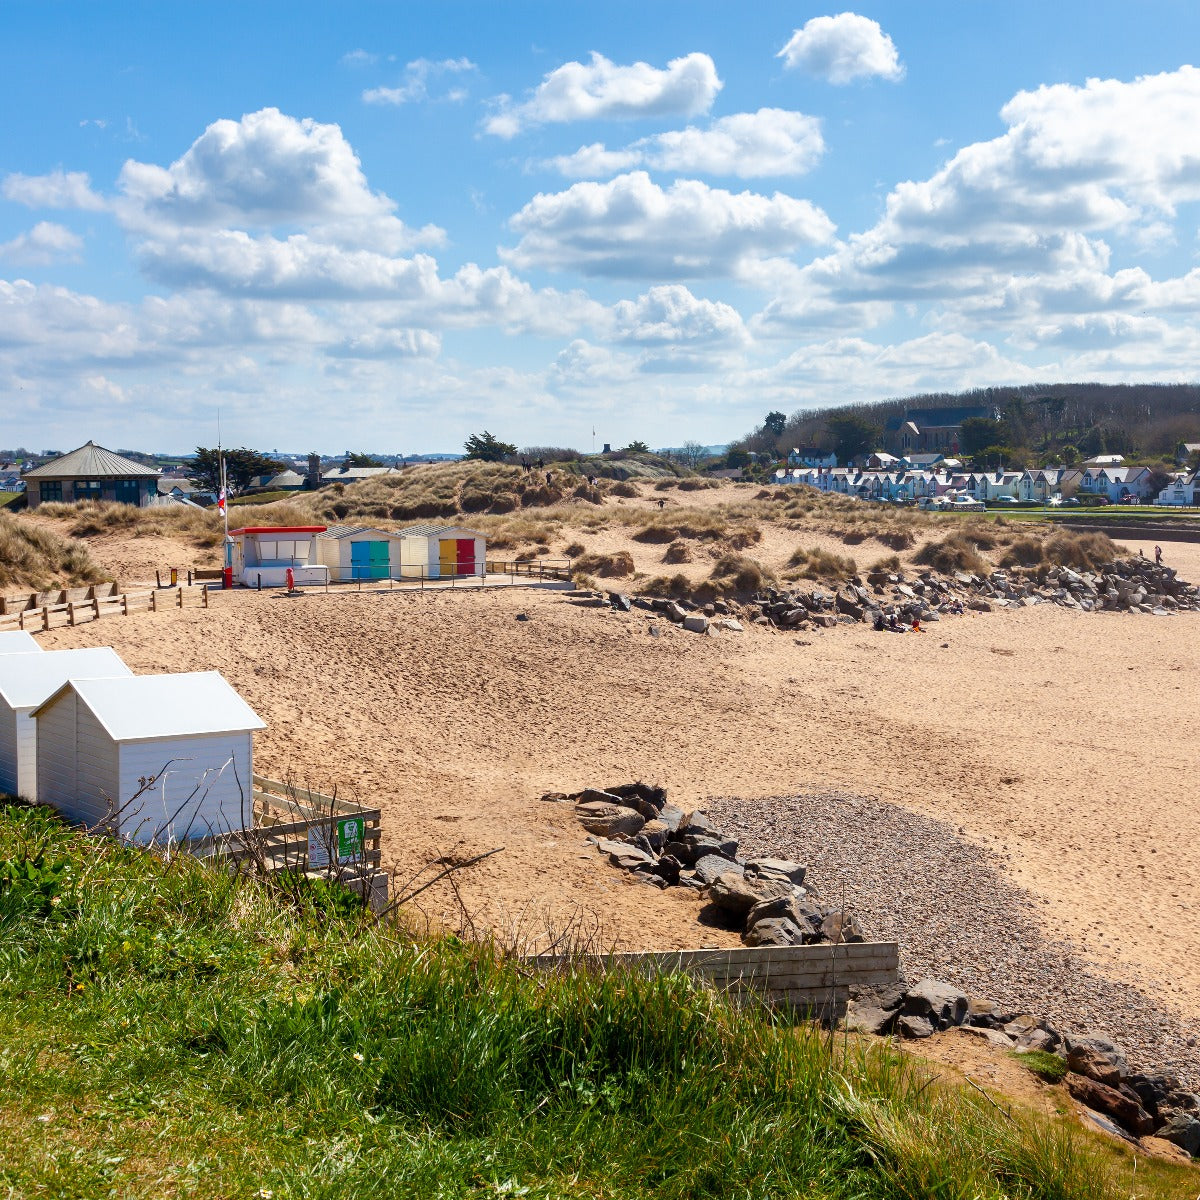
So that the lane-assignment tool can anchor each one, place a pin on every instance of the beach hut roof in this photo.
(148, 707)
(428, 531)
(29, 679)
(18, 642)
(345, 531)
(276, 530)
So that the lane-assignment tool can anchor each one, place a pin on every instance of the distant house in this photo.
(881, 461)
(285, 481)
(1183, 490)
(354, 474)
(1104, 460)
(921, 430)
(92, 473)
(1185, 450)
(811, 456)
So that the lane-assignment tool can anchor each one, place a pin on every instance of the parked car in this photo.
(966, 504)
(1007, 500)
(1130, 500)
(1071, 500)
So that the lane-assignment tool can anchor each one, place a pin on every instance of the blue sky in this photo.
(392, 225)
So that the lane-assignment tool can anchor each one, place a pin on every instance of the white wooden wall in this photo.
(8, 750)
(181, 766)
(26, 731)
(76, 762)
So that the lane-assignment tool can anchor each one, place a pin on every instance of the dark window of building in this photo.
(51, 491)
(87, 489)
(126, 491)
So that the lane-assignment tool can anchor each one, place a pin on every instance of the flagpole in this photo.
(223, 502)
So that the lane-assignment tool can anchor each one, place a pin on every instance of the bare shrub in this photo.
(1080, 551)
(32, 556)
(664, 485)
(1024, 552)
(889, 562)
(677, 552)
(607, 566)
(575, 549)
(621, 488)
(898, 539)
(821, 564)
(746, 536)
(735, 574)
(678, 586)
(697, 485)
(504, 502)
(590, 494)
(952, 553)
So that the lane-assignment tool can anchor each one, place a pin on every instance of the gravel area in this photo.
(955, 914)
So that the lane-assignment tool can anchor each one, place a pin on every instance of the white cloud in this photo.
(600, 89)
(417, 76)
(45, 243)
(59, 189)
(359, 58)
(772, 141)
(671, 315)
(631, 228)
(842, 49)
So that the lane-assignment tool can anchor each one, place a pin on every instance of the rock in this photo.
(729, 625)
(982, 1013)
(673, 612)
(596, 796)
(609, 820)
(555, 797)
(712, 866)
(637, 794)
(690, 849)
(980, 605)
(993, 1037)
(776, 931)
(1126, 1111)
(849, 608)
(913, 1027)
(1098, 1059)
(737, 895)
(668, 868)
(1182, 1130)
(838, 927)
(697, 823)
(522, 616)
(620, 602)
(1154, 1091)
(790, 906)
(696, 624)
(1045, 1040)
(868, 1018)
(825, 621)
(776, 868)
(656, 833)
(938, 1002)
(670, 816)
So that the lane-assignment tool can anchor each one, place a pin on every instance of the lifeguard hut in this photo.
(263, 555)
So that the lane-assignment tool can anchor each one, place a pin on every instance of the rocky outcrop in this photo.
(1095, 1069)
(766, 899)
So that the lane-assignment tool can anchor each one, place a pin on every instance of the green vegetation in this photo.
(263, 497)
(486, 447)
(241, 466)
(1050, 1068)
(9, 499)
(166, 1030)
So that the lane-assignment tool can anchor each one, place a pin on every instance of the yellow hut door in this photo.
(447, 557)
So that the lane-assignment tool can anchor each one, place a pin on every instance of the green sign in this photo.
(350, 832)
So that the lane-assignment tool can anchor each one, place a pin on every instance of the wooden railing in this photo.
(295, 829)
(45, 615)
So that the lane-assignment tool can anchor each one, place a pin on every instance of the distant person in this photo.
(1158, 556)
(541, 464)
(662, 503)
(549, 478)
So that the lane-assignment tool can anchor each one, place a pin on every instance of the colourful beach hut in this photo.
(442, 551)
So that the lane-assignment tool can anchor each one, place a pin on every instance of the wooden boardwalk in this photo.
(39, 611)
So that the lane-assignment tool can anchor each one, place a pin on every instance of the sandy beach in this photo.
(1062, 743)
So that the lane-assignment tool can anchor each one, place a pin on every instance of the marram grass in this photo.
(167, 1030)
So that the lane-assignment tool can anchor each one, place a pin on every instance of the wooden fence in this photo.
(297, 829)
(40, 612)
(816, 979)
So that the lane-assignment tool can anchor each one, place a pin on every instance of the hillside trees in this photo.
(241, 466)
(486, 447)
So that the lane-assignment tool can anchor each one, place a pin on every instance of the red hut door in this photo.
(466, 556)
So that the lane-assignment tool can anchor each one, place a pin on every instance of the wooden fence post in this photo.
(21, 619)
(179, 598)
(70, 612)
(45, 617)
(204, 596)
(154, 601)
(96, 606)
(124, 604)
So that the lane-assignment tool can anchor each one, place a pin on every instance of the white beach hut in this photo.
(162, 758)
(263, 555)
(18, 642)
(26, 681)
(360, 552)
(441, 551)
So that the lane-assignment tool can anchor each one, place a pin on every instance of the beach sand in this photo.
(1062, 741)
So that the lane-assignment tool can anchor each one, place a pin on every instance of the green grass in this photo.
(264, 497)
(7, 498)
(1047, 1067)
(170, 1031)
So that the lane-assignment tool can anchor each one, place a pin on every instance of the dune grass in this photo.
(34, 557)
(167, 1030)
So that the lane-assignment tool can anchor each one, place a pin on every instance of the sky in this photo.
(388, 226)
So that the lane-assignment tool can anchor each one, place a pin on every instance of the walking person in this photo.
(1158, 556)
